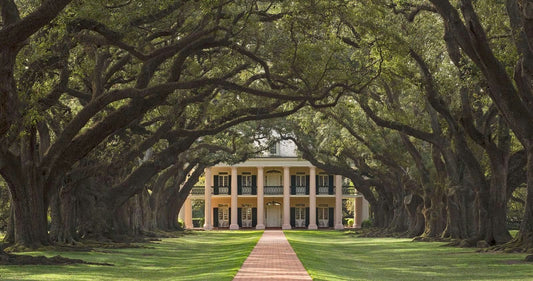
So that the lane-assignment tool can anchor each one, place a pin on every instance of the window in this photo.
(323, 180)
(323, 214)
(300, 180)
(300, 213)
(223, 180)
(273, 149)
(246, 180)
(246, 214)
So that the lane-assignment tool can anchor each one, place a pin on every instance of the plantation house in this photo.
(277, 189)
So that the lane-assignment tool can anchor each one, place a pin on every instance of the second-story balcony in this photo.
(247, 190)
(324, 190)
(273, 190)
(198, 190)
(349, 190)
(299, 190)
(221, 190)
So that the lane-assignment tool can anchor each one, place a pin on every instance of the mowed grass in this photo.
(214, 255)
(332, 255)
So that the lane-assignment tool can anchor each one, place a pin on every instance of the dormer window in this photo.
(273, 149)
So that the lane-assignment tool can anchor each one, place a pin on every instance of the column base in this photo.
(260, 226)
(339, 227)
(313, 226)
(286, 226)
(208, 227)
(233, 226)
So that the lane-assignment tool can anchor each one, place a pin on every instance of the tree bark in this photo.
(524, 239)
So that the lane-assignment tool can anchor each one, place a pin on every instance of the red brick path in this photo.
(272, 259)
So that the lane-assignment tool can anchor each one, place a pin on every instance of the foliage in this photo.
(367, 223)
(515, 208)
(4, 205)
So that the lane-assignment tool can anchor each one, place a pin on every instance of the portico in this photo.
(275, 190)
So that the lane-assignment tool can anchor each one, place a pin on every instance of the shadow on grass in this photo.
(197, 256)
(330, 255)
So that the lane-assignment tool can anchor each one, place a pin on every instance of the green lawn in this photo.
(198, 256)
(331, 255)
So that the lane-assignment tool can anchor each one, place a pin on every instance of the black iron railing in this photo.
(198, 190)
(273, 190)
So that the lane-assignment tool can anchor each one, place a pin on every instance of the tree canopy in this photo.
(112, 109)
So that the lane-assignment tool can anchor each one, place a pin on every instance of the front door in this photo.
(323, 217)
(246, 217)
(273, 216)
(223, 217)
(299, 216)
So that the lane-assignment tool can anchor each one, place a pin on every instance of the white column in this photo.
(187, 212)
(260, 199)
(366, 210)
(338, 203)
(312, 198)
(286, 199)
(358, 212)
(233, 223)
(181, 214)
(208, 224)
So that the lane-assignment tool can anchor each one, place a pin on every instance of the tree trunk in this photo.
(524, 239)
(495, 226)
(10, 232)
(414, 205)
(30, 222)
(434, 215)
(27, 198)
(399, 214)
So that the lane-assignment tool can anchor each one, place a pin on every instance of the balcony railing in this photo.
(248, 190)
(221, 190)
(349, 190)
(323, 190)
(273, 190)
(300, 190)
(198, 190)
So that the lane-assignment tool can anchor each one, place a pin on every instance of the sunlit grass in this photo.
(198, 256)
(331, 255)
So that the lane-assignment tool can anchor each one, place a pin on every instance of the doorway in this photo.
(299, 216)
(273, 214)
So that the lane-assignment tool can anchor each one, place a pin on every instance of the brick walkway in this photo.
(272, 259)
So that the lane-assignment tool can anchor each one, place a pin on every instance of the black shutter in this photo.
(293, 217)
(331, 217)
(316, 216)
(307, 184)
(229, 187)
(317, 186)
(254, 185)
(215, 185)
(254, 217)
(331, 185)
(293, 185)
(239, 217)
(239, 184)
(307, 216)
(215, 217)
